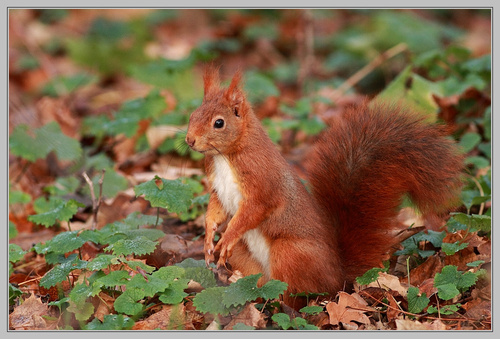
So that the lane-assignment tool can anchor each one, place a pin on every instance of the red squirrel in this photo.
(358, 171)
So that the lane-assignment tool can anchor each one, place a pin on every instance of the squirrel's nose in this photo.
(190, 141)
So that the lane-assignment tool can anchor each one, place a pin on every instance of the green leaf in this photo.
(60, 272)
(487, 125)
(82, 312)
(113, 278)
(452, 248)
(12, 230)
(485, 147)
(109, 30)
(475, 263)
(176, 75)
(62, 243)
(241, 291)
(196, 270)
(24, 145)
(418, 96)
(127, 301)
(173, 195)
(445, 309)
(149, 287)
(411, 245)
(100, 262)
(282, 319)
(134, 220)
(469, 141)
(272, 289)
(49, 211)
(416, 303)
(14, 292)
(63, 186)
(138, 246)
(370, 276)
(174, 294)
(478, 161)
(66, 148)
(112, 322)
(478, 65)
(63, 85)
(312, 310)
(450, 282)
(447, 291)
(46, 139)
(220, 300)
(19, 197)
(475, 221)
(126, 120)
(421, 35)
(80, 292)
(16, 253)
(242, 327)
(259, 86)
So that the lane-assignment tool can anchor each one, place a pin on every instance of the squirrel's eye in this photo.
(219, 123)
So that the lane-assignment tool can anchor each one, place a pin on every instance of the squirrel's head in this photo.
(217, 126)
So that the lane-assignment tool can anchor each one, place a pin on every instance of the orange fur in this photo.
(358, 171)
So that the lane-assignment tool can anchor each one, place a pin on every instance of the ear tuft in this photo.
(211, 80)
(233, 93)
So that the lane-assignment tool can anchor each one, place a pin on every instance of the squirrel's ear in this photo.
(211, 80)
(233, 93)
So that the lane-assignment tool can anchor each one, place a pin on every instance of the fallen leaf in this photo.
(427, 269)
(171, 317)
(478, 309)
(389, 282)
(30, 316)
(103, 305)
(350, 308)
(249, 316)
(427, 287)
(413, 325)
(394, 310)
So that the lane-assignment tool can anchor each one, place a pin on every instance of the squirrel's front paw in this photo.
(209, 253)
(208, 247)
(225, 248)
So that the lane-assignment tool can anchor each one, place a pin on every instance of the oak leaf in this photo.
(350, 308)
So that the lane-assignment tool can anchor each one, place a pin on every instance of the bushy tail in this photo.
(362, 167)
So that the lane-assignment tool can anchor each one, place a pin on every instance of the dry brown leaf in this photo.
(425, 270)
(388, 282)
(350, 307)
(30, 316)
(478, 309)
(174, 244)
(394, 310)
(249, 316)
(104, 305)
(51, 109)
(414, 325)
(427, 287)
(171, 317)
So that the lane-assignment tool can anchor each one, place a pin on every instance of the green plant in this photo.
(226, 299)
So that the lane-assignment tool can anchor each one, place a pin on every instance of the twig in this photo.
(481, 208)
(95, 202)
(356, 77)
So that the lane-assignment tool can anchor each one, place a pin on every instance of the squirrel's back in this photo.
(363, 166)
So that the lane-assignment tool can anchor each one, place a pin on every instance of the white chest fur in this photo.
(224, 183)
